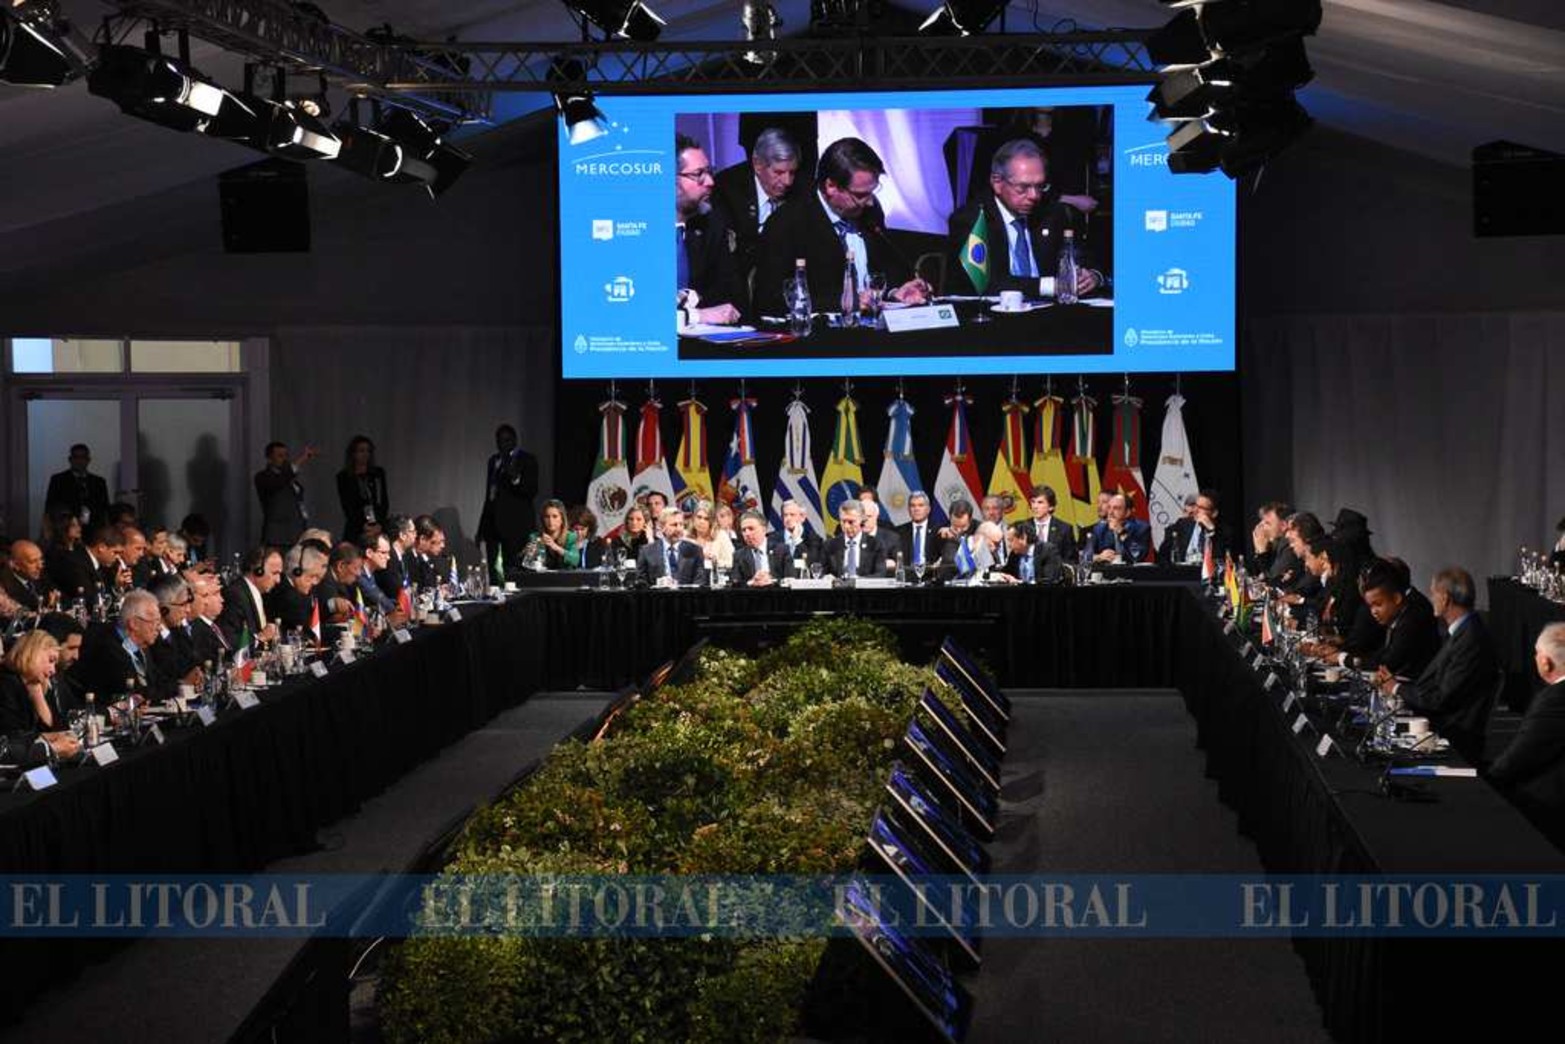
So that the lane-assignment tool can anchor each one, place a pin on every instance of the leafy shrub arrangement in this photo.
(765, 766)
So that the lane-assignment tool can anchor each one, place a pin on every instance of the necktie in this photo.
(760, 561)
(1043, 532)
(673, 561)
(843, 228)
(918, 544)
(851, 566)
(682, 261)
(140, 662)
(1021, 255)
(1027, 568)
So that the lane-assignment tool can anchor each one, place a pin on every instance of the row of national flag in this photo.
(1049, 441)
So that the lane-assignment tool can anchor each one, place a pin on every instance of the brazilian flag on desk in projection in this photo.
(844, 475)
(975, 253)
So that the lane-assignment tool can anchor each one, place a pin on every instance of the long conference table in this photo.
(258, 784)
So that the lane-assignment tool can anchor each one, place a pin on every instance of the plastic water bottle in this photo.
(799, 304)
(850, 291)
(901, 570)
(92, 736)
(1065, 280)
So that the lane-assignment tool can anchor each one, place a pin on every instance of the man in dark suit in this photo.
(89, 567)
(1412, 639)
(511, 482)
(842, 216)
(292, 602)
(1029, 561)
(1120, 537)
(115, 660)
(208, 643)
(706, 269)
(796, 540)
(756, 564)
(1023, 232)
(1044, 528)
(173, 655)
(22, 577)
(77, 490)
(1532, 768)
(921, 541)
(283, 516)
(244, 617)
(1187, 538)
(888, 542)
(1458, 688)
(852, 552)
(671, 555)
(1270, 556)
(338, 592)
(751, 191)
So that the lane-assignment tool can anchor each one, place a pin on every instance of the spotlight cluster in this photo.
(1229, 72)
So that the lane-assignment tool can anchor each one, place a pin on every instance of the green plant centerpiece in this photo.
(757, 766)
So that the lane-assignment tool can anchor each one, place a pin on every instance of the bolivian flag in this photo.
(975, 255)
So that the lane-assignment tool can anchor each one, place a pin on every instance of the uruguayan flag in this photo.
(796, 474)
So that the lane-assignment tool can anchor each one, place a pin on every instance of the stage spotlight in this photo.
(36, 49)
(583, 119)
(1180, 42)
(1261, 130)
(428, 158)
(163, 90)
(962, 17)
(293, 133)
(1237, 26)
(629, 19)
(1196, 147)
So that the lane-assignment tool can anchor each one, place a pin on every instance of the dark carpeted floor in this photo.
(1105, 782)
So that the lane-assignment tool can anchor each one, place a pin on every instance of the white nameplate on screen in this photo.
(318, 668)
(401, 636)
(923, 317)
(1300, 724)
(1324, 747)
(206, 716)
(454, 614)
(244, 699)
(347, 656)
(39, 778)
(104, 754)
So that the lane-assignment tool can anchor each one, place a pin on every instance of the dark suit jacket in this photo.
(1061, 534)
(510, 483)
(290, 609)
(105, 667)
(778, 564)
(324, 592)
(29, 594)
(1176, 538)
(803, 230)
(1532, 767)
(208, 642)
(174, 656)
(282, 505)
(91, 493)
(1458, 688)
(354, 502)
(1047, 565)
(1136, 539)
(651, 565)
(889, 543)
(150, 568)
(392, 579)
(1045, 233)
(239, 613)
(737, 194)
(74, 574)
(1412, 640)
(710, 249)
(813, 546)
(871, 563)
(932, 542)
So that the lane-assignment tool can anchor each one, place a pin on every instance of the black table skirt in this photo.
(257, 785)
(1516, 614)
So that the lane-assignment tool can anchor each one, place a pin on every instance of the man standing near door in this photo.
(79, 491)
(283, 516)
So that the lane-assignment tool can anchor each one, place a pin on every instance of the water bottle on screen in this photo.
(850, 291)
(1065, 279)
(797, 297)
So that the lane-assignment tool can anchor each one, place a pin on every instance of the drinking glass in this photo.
(815, 570)
(918, 570)
(871, 296)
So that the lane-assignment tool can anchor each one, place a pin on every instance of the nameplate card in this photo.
(1300, 724)
(40, 778)
(347, 656)
(401, 636)
(1324, 747)
(1259, 659)
(1289, 702)
(104, 754)
(454, 614)
(922, 317)
(1248, 651)
(318, 668)
(874, 583)
(811, 584)
(664, 583)
(1271, 682)
(244, 699)
(206, 716)
(1229, 628)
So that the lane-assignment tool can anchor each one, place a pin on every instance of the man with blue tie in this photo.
(671, 556)
(921, 540)
(1120, 538)
(852, 553)
(756, 564)
(1023, 229)
(705, 270)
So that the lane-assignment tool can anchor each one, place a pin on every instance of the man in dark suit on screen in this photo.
(671, 555)
(842, 216)
(1022, 233)
(1458, 688)
(79, 491)
(1532, 768)
(707, 274)
(752, 191)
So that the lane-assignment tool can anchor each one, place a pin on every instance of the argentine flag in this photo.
(796, 474)
(899, 474)
(975, 254)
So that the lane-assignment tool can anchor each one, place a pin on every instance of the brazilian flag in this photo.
(975, 255)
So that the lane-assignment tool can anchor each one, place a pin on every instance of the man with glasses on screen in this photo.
(843, 217)
(1021, 233)
(705, 267)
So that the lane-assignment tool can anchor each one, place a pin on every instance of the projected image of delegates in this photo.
(804, 234)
